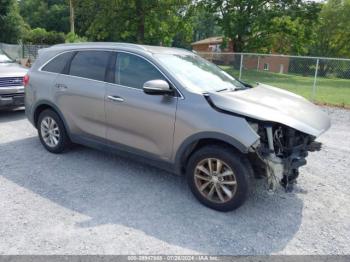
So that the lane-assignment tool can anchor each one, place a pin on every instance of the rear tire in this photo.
(218, 177)
(52, 132)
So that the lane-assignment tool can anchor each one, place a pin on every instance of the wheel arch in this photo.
(194, 142)
(43, 105)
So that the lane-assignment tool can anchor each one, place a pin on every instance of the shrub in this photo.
(41, 36)
(74, 38)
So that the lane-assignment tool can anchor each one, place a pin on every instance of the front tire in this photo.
(218, 177)
(52, 132)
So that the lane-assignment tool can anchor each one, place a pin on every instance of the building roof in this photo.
(210, 40)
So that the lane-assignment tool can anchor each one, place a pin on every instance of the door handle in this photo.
(61, 86)
(116, 98)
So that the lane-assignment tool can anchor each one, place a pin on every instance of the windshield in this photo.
(5, 59)
(197, 73)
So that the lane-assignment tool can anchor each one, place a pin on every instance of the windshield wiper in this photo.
(220, 90)
(240, 88)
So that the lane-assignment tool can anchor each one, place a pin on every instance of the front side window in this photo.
(134, 71)
(57, 64)
(90, 64)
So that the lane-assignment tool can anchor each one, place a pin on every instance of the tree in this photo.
(11, 23)
(242, 20)
(333, 30)
(252, 24)
(149, 22)
(74, 38)
(53, 15)
(40, 36)
(333, 37)
(71, 16)
(204, 23)
(293, 32)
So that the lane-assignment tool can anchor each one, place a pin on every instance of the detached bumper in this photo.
(11, 100)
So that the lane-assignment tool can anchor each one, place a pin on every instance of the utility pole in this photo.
(315, 79)
(71, 17)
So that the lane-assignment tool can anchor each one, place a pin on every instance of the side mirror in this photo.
(156, 87)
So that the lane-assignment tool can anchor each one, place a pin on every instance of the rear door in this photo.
(80, 92)
(135, 119)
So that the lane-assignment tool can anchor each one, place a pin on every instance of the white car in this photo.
(11, 83)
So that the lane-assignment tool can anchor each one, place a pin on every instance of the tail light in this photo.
(25, 80)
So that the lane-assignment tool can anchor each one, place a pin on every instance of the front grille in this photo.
(11, 81)
(13, 99)
(17, 95)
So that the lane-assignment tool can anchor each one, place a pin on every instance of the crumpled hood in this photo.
(12, 69)
(272, 104)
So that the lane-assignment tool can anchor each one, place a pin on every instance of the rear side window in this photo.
(90, 64)
(133, 71)
(57, 64)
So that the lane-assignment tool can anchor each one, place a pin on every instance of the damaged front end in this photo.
(287, 126)
(280, 152)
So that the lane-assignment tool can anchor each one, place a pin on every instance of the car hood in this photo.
(268, 103)
(12, 69)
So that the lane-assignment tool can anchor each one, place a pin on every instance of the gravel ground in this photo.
(90, 202)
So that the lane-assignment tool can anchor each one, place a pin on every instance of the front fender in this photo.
(181, 153)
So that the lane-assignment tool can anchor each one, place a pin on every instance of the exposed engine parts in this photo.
(281, 151)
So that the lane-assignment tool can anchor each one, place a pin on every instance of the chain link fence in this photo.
(18, 52)
(12, 51)
(322, 80)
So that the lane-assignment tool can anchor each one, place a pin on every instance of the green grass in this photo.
(331, 91)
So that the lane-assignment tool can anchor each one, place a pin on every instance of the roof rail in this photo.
(101, 44)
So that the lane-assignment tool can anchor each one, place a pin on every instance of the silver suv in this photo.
(176, 109)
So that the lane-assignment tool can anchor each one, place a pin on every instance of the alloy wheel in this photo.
(50, 131)
(215, 180)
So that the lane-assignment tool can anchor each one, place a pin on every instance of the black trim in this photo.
(211, 103)
(245, 84)
(123, 150)
(110, 70)
(66, 69)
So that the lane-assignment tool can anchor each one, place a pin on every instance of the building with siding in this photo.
(213, 51)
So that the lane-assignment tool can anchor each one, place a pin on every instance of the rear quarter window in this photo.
(57, 64)
(90, 64)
